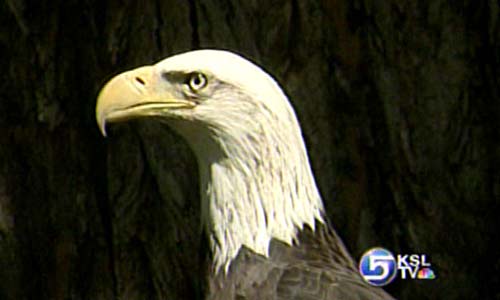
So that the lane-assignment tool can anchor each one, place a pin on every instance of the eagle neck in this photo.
(262, 188)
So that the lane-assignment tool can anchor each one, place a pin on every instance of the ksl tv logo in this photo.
(379, 267)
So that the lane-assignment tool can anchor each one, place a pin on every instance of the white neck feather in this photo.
(250, 206)
(255, 187)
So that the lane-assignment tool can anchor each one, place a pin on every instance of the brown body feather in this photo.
(316, 267)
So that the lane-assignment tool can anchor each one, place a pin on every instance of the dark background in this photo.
(398, 101)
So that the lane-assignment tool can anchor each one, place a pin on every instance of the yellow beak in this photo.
(133, 94)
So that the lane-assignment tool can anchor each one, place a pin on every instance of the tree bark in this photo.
(398, 102)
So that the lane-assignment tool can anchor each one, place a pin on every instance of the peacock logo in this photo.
(426, 273)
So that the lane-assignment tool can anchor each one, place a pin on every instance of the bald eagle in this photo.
(261, 209)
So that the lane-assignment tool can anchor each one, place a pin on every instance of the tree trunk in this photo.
(399, 105)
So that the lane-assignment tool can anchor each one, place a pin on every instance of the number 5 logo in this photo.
(378, 266)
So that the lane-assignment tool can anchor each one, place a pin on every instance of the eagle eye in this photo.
(197, 81)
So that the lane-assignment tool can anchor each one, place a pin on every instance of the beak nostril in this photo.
(140, 80)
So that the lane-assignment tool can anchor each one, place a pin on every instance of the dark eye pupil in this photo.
(196, 80)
